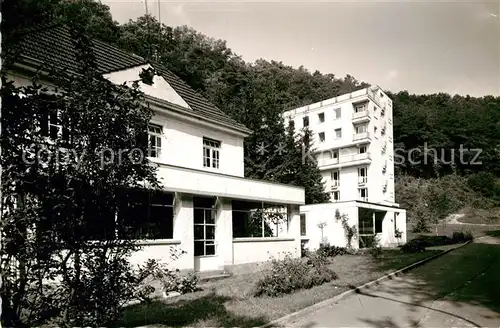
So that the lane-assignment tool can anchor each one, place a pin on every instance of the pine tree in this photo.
(301, 167)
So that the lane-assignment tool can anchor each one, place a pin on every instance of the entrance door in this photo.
(204, 219)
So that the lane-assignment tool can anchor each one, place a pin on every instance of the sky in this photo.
(422, 47)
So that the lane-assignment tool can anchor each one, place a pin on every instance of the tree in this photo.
(63, 186)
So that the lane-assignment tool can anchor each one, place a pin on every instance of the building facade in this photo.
(206, 208)
(354, 147)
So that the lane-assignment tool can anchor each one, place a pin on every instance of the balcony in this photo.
(362, 137)
(353, 159)
(362, 180)
(362, 116)
(334, 185)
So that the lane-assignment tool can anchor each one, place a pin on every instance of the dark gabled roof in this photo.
(53, 46)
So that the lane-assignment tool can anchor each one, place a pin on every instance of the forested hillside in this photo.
(256, 93)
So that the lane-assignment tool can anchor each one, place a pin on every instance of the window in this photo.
(303, 225)
(54, 127)
(305, 121)
(211, 149)
(361, 128)
(335, 196)
(390, 157)
(360, 108)
(292, 124)
(362, 175)
(362, 150)
(338, 113)
(375, 131)
(389, 120)
(333, 154)
(338, 134)
(100, 223)
(321, 136)
(204, 215)
(335, 177)
(146, 214)
(257, 219)
(365, 222)
(379, 220)
(154, 134)
(321, 117)
(363, 194)
(391, 176)
(390, 139)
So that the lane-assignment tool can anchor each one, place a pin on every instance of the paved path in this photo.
(401, 302)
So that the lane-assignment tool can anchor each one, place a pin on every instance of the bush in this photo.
(173, 281)
(413, 246)
(291, 274)
(331, 251)
(462, 237)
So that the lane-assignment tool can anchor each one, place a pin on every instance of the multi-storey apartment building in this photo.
(354, 147)
(206, 207)
(353, 144)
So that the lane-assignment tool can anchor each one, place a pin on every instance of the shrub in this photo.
(291, 274)
(331, 251)
(413, 246)
(462, 237)
(173, 281)
(375, 248)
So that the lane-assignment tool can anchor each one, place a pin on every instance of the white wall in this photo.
(333, 232)
(182, 145)
(249, 250)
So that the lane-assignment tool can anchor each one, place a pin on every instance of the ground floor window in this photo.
(303, 225)
(335, 196)
(146, 214)
(205, 214)
(257, 219)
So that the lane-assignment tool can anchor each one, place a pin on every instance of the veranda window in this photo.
(146, 214)
(205, 215)
(257, 219)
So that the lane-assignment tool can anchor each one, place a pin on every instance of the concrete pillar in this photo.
(224, 232)
(294, 227)
(183, 227)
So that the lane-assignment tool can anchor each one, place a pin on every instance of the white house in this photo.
(207, 207)
(354, 147)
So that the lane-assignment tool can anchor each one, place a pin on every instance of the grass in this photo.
(480, 216)
(446, 229)
(468, 275)
(230, 302)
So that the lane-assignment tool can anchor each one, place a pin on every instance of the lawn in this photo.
(229, 302)
(480, 216)
(469, 275)
(446, 229)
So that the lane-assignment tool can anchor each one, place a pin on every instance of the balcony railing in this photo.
(362, 180)
(361, 135)
(334, 184)
(345, 159)
(362, 114)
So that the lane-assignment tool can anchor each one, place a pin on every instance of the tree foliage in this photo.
(61, 185)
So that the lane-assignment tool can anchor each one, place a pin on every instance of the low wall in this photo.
(162, 251)
(250, 250)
